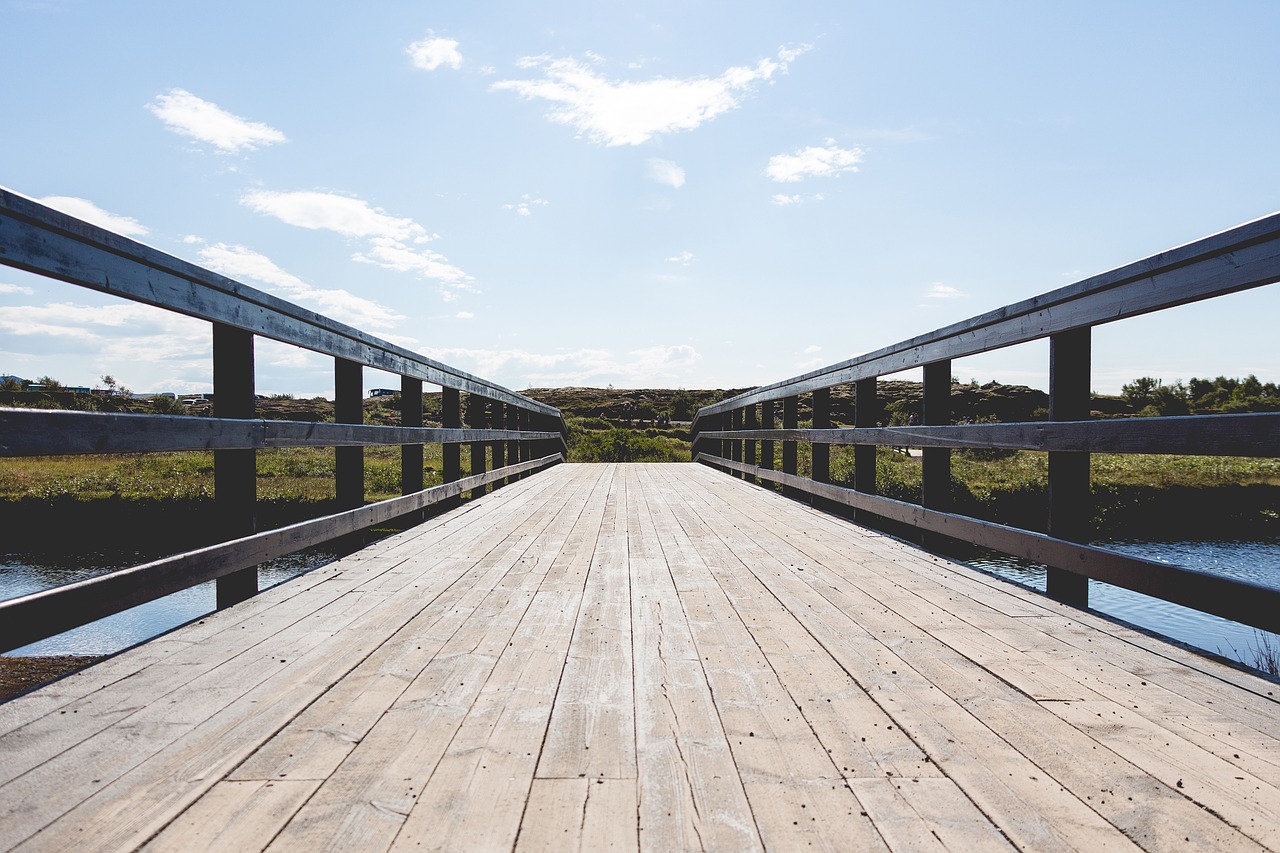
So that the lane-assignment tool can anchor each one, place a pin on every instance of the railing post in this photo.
(866, 414)
(497, 419)
(790, 456)
(749, 449)
(451, 452)
(513, 446)
(766, 447)
(935, 467)
(477, 418)
(820, 452)
(235, 477)
(348, 408)
(526, 449)
(735, 445)
(411, 478)
(1069, 495)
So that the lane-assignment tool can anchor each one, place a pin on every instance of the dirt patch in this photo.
(18, 675)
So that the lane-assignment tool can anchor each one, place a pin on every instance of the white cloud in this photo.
(525, 206)
(811, 349)
(943, 291)
(389, 237)
(630, 113)
(348, 216)
(431, 52)
(464, 315)
(666, 173)
(16, 288)
(240, 262)
(84, 209)
(784, 200)
(683, 258)
(827, 160)
(185, 114)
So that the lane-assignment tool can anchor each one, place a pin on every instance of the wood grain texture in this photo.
(644, 657)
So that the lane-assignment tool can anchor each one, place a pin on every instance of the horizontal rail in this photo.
(39, 432)
(43, 614)
(1243, 257)
(1256, 435)
(39, 239)
(1249, 603)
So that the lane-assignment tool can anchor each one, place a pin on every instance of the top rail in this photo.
(39, 239)
(1240, 258)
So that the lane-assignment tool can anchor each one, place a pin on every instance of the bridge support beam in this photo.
(790, 456)
(866, 414)
(451, 452)
(498, 419)
(348, 408)
(477, 418)
(235, 476)
(935, 469)
(1069, 495)
(766, 447)
(411, 479)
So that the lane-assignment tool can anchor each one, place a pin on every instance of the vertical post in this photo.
(935, 467)
(821, 451)
(866, 414)
(749, 449)
(735, 422)
(235, 482)
(477, 418)
(411, 479)
(451, 452)
(348, 408)
(497, 419)
(526, 448)
(790, 457)
(513, 446)
(1069, 496)
(766, 447)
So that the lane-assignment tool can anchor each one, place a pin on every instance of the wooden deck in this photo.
(644, 656)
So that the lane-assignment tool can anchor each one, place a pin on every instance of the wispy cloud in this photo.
(783, 200)
(432, 52)
(187, 115)
(614, 112)
(666, 173)
(943, 291)
(240, 262)
(84, 209)
(683, 258)
(393, 242)
(16, 288)
(525, 206)
(826, 160)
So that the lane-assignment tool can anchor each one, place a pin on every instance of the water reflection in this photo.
(1254, 561)
(22, 574)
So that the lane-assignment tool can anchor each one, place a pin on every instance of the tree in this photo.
(49, 383)
(1140, 392)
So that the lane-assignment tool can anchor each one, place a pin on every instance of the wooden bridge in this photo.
(658, 657)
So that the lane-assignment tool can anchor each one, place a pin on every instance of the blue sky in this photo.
(666, 194)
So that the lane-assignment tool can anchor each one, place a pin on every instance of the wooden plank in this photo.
(241, 816)
(592, 732)
(579, 814)
(691, 796)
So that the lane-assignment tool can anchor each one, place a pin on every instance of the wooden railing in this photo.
(738, 435)
(510, 435)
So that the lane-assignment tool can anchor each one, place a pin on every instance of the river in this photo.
(1257, 561)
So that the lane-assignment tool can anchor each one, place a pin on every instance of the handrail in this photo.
(1240, 258)
(738, 435)
(516, 434)
(36, 238)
